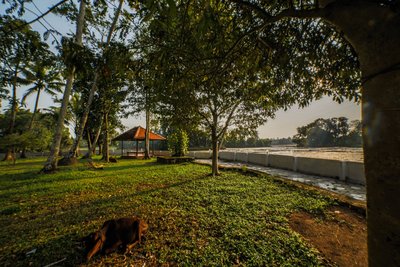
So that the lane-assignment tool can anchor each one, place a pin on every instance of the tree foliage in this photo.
(203, 74)
(112, 91)
(329, 132)
(178, 143)
(235, 72)
(236, 138)
(37, 138)
(17, 50)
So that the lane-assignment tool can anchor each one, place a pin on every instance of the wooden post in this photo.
(137, 148)
(122, 148)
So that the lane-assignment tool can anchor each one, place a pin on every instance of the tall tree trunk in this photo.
(14, 101)
(89, 145)
(10, 154)
(216, 137)
(23, 153)
(106, 151)
(73, 152)
(89, 141)
(35, 108)
(100, 152)
(374, 33)
(147, 139)
(214, 141)
(74, 149)
(51, 163)
(96, 138)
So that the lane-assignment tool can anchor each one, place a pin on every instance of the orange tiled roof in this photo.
(137, 134)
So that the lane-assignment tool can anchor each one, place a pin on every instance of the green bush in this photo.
(178, 143)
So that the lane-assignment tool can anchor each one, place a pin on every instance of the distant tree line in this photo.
(329, 132)
(37, 138)
(249, 142)
(237, 138)
(281, 141)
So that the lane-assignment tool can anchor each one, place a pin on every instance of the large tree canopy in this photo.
(236, 72)
(372, 28)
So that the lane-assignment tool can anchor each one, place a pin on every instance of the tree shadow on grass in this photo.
(33, 174)
(20, 165)
(84, 207)
(23, 181)
(145, 165)
(85, 215)
(65, 251)
(26, 179)
(65, 248)
(148, 191)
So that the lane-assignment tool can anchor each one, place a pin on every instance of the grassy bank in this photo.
(194, 219)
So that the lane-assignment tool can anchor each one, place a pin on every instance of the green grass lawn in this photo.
(194, 219)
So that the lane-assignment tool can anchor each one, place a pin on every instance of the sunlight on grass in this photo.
(233, 219)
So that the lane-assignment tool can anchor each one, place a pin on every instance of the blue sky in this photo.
(283, 125)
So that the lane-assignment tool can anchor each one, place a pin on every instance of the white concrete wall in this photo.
(259, 159)
(242, 156)
(322, 167)
(352, 172)
(355, 172)
(227, 155)
(201, 154)
(281, 161)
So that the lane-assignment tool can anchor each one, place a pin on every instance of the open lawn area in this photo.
(194, 219)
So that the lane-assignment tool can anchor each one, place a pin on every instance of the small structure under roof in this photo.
(137, 134)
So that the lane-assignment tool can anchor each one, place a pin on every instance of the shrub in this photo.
(178, 143)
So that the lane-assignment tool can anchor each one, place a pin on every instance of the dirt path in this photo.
(341, 235)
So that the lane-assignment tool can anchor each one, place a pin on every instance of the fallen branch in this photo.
(171, 211)
(54, 263)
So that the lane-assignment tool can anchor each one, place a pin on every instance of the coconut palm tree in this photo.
(20, 44)
(45, 78)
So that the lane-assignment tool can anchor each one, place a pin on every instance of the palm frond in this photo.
(29, 92)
